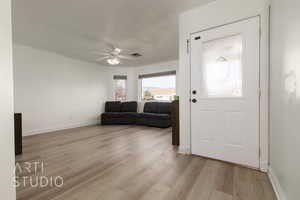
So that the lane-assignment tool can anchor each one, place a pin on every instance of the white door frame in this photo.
(189, 26)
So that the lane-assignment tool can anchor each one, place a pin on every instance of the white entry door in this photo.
(225, 93)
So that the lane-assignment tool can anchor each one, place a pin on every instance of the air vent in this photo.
(136, 55)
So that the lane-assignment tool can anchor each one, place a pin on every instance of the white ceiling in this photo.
(75, 28)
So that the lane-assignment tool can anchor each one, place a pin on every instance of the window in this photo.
(120, 88)
(159, 86)
(222, 67)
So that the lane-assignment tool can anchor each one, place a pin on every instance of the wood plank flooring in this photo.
(132, 163)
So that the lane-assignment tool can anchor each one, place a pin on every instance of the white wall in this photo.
(55, 92)
(285, 97)
(157, 67)
(204, 17)
(7, 190)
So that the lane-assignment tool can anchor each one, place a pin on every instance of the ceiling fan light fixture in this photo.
(118, 50)
(113, 61)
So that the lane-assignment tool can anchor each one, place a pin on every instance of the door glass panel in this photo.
(222, 68)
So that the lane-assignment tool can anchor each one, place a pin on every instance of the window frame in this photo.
(118, 78)
(154, 75)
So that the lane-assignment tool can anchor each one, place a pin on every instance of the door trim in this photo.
(234, 22)
(263, 85)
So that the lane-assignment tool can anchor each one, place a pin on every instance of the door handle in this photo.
(194, 100)
(194, 92)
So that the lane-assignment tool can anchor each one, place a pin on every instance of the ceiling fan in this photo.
(115, 56)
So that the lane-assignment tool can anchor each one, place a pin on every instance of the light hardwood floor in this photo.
(133, 163)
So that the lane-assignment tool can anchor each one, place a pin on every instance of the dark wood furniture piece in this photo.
(18, 133)
(175, 123)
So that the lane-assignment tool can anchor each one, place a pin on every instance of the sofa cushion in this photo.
(120, 115)
(164, 108)
(113, 106)
(129, 106)
(151, 107)
(154, 116)
(158, 107)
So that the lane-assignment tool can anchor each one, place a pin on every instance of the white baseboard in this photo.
(276, 185)
(58, 128)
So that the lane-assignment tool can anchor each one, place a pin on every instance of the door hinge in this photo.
(187, 46)
(259, 93)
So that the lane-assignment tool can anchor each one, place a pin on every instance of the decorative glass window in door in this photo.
(222, 68)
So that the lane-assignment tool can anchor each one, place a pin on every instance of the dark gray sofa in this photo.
(157, 114)
(119, 113)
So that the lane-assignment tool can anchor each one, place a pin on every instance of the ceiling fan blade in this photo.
(126, 57)
(101, 59)
(110, 46)
(114, 48)
(100, 53)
